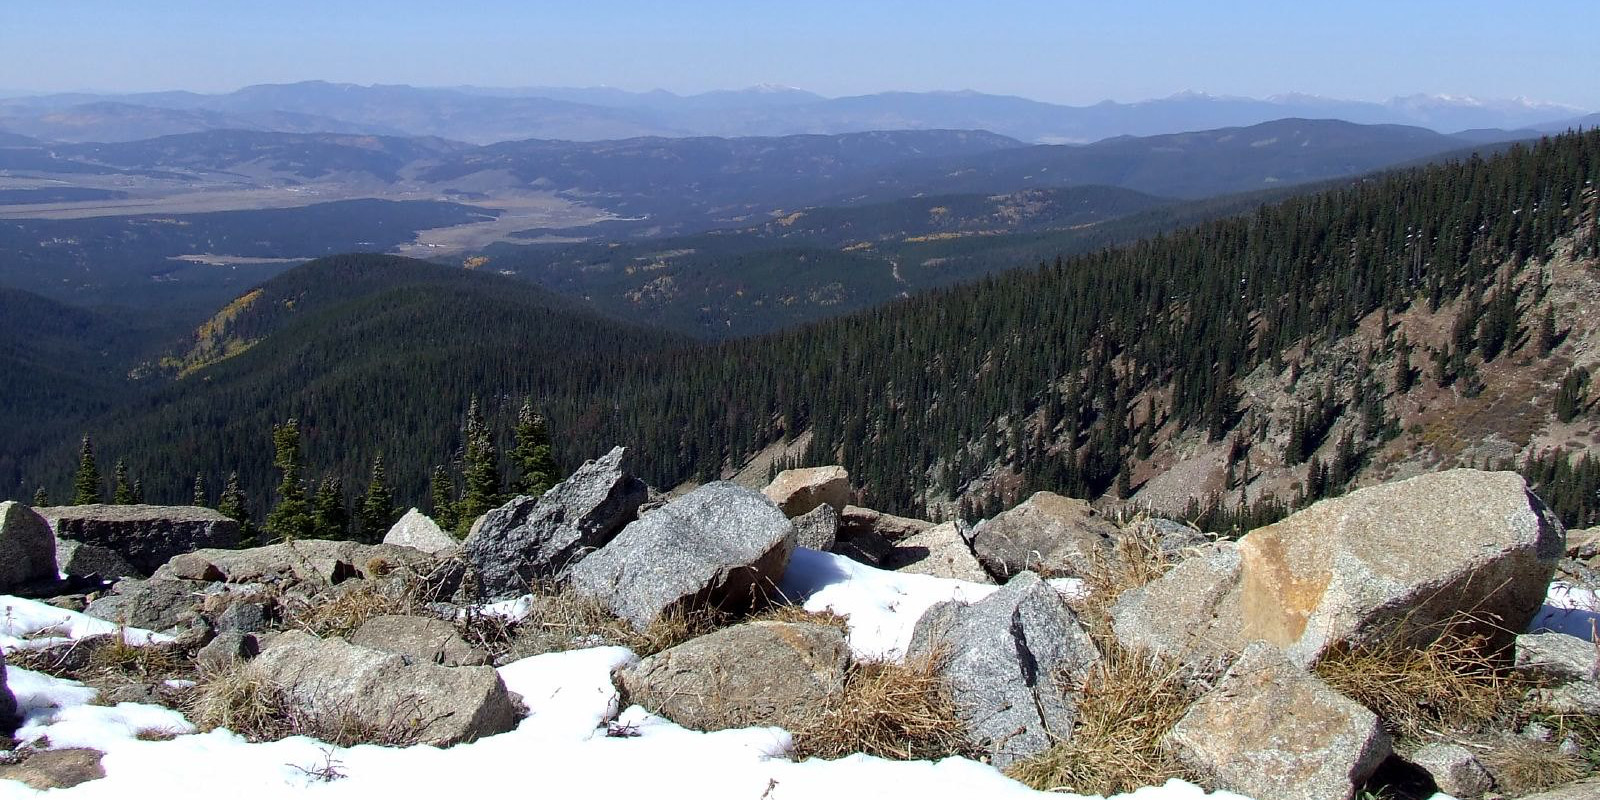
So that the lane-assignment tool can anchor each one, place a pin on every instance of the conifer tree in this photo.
(331, 519)
(121, 492)
(232, 502)
(377, 508)
(199, 498)
(291, 518)
(531, 458)
(86, 485)
(480, 469)
(41, 498)
(443, 491)
(1546, 340)
(136, 494)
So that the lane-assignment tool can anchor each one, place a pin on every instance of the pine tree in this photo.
(1404, 375)
(443, 491)
(41, 498)
(291, 518)
(1546, 340)
(232, 502)
(136, 494)
(86, 485)
(480, 470)
(377, 508)
(531, 458)
(331, 519)
(199, 498)
(121, 492)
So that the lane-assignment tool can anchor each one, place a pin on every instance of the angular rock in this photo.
(316, 561)
(1583, 544)
(1397, 560)
(797, 491)
(56, 769)
(1582, 790)
(1012, 661)
(1565, 669)
(243, 617)
(1455, 770)
(8, 703)
(758, 673)
(417, 530)
(941, 551)
(721, 545)
(157, 605)
(857, 521)
(419, 640)
(1170, 536)
(78, 560)
(1273, 731)
(147, 536)
(817, 529)
(867, 548)
(528, 541)
(1050, 534)
(340, 682)
(27, 548)
(1190, 615)
(225, 651)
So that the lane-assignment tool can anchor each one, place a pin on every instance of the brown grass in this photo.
(566, 620)
(900, 711)
(1129, 703)
(241, 700)
(1452, 684)
(1523, 766)
(156, 735)
(1135, 559)
(798, 614)
(347, 611)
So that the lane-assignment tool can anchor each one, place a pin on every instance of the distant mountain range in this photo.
(482, 116)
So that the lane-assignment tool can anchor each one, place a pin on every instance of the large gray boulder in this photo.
(797, 491)
(1392, 562)
(27, 548)
(417, 530)
(9, 720)
(78, 560)
(941, 551)
(721, 546)
(147, 536)
(758, 673)
(419, 640)
(528, 541)
(817, 529)
(340, 684)
(1273, 731)
(1565, 669)
(1190, 615)
(1049, 534)
(1013, 662)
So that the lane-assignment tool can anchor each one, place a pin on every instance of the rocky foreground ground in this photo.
(1429, 635)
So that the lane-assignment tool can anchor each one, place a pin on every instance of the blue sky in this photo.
(1063, 51)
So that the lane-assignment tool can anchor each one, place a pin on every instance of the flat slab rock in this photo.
(1190, 615)
(720, 546)
(420, 640)
(1273, 731)
(758, 673)
(147, 536)
(319, 561)
(57, 769)
(942, 551)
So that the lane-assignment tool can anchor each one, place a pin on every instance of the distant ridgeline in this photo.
(1069, 376)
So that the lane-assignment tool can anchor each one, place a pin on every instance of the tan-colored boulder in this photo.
(856, 521)
(1273, 731)
(420, 639)
(1399, 559)
(1190, 615)
(797, 491)
(1049, 534)
(941, 551)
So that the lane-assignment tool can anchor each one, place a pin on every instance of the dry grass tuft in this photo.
(156, 735)
(349, 610)
(1523, 766)
(241, 700)
(900, 711)
(568, 620)
(1452, 684)
(146, 662)
(798, 614)
(1129, 703)
(1136, 558)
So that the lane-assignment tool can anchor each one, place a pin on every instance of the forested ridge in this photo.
(1058, 375)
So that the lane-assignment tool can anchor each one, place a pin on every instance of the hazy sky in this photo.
(1060, 51)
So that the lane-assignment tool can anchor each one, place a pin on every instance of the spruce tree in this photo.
(331, 519)
(291, 518)
(443, 491)
(531, 458)
(86, 485)
(41, 498)
(480, 470)
(1547, 331)
(121, 492)
(232, 502)
(199, 498)
(136, 494)
(377, 508)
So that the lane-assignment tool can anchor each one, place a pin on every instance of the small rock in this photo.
(1455, 770)
(418, 531)
(56, 769)
(528, 541)
(1270, 729)
(78, 560)
(340, 682)
(147, 536)
(721, 545)
(1013, 662)
(70, 602)
(797, 491)
(1565, 668)
(27, 549)
(758, 673)
(1054, 535)
(941, 551)
(857, 521)
(419, 640)
(1583, 544)
(243, 617)
(817, 529)
(226, 650)
(868, 548)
